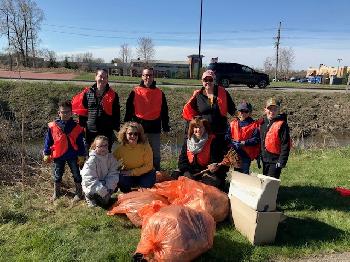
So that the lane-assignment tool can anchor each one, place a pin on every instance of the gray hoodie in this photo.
(100, 174)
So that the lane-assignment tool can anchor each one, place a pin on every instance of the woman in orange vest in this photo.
(212, 102)
(244, 136)
(275, 139)
(199, 152)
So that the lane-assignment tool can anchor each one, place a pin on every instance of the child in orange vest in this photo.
(275, 139)
(64, 143)
(243, 135)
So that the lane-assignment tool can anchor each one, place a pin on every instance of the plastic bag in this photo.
(131, 203)
(196, 195)
(176, 233)
(343, 191)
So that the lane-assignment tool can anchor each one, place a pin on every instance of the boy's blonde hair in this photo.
(134, 125)
(103, 138)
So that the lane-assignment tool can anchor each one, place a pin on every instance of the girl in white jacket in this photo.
(100, 173)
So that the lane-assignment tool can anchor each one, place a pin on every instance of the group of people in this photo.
(136, 159)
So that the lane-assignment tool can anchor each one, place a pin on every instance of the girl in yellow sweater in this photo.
(137, 158)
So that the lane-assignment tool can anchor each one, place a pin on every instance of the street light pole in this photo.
(200, 42)
(339, 59)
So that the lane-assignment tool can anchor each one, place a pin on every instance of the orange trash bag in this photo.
(131, 203)
(196, 195)
(176, 233)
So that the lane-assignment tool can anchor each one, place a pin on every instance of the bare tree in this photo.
(285, 63)
(49, 56)
(124, 56)
(145, 49)
(21, 20)
(287, 59)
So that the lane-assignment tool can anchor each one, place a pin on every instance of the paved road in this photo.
(232, 87)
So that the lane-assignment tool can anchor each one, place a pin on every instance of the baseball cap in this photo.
(244, 106)
(272, 102)
(209, 73)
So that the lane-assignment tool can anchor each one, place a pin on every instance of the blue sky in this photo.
(236, 31)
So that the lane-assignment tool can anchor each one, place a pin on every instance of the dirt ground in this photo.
(35, 75)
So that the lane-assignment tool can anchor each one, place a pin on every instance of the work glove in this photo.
(47, 159)
(81, 161)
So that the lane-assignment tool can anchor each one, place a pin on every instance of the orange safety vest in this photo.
(107, 102)
(188, 113)
(147, 102)
(272, 140)
(243, 133)
(60, 141)
(203, 157)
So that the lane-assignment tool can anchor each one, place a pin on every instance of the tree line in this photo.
(20, 24)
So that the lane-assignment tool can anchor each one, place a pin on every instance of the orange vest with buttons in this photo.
(188, 113)
(243, 133)
(147, 102)
(107, 102)
(60, 139)
(203, 157)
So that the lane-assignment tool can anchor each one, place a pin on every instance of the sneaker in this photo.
(90, 202)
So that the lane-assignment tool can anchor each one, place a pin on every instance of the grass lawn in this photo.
(32, 229)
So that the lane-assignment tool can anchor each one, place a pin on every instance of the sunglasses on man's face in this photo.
(208, 80)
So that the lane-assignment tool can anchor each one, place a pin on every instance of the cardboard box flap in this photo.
(256, 190)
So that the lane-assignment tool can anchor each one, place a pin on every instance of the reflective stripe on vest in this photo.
(243, 133)
(203, 157)
(107, 102)
(272, 140)
(60, 141)
(147, 102)
(188, 113)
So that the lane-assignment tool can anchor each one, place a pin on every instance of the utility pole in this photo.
(277, 47)
(200, 42)
(8, 39)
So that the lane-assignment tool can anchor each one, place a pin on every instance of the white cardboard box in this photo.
(257, 191)
(259, 227)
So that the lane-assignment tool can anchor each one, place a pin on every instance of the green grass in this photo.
(33, 229)
(304, 85)
(136, 80)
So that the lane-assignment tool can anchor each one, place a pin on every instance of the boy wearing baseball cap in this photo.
(243, 135)
(275, 139)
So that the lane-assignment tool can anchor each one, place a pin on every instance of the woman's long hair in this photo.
(133, 125)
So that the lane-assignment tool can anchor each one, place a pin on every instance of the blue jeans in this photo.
(245, 165)
(58, 169)
(127, 182)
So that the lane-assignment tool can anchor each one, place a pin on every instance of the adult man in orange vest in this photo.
(275, 139)
(98, 109)
(147, 105)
